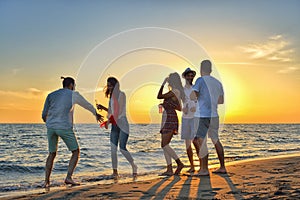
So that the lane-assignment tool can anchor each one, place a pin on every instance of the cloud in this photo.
(234, 63)
(88, 90)
(29, 93)
(276, 48)
(35, 91)
(287, 70)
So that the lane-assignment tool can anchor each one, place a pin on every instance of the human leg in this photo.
(52, 147)
(201, 146)
(114, 139)
(72, 165)
(187, 134)
(69, 138)
(123, 142)
(48, 168)
(165, 140)
(213, 133)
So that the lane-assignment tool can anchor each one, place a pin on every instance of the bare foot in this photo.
(69, 181)
(220, 171)
(46, 184)
(179, 168)
(191, 170)
(203, 172)
(167, 173)
(134, 172)
(115, 176)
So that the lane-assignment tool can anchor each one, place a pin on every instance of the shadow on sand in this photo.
(191, 187)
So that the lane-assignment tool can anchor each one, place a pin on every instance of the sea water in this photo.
(23, 151)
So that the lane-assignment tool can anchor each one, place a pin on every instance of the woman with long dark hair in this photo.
(120, 127)
(172, 102)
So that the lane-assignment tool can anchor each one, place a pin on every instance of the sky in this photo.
(254, 46)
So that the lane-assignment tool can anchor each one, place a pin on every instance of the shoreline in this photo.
(149, 180)
(226, 123)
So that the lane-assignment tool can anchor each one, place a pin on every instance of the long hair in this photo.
(175, 83)
(116, 87)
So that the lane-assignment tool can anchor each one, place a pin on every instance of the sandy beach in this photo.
(273, 178)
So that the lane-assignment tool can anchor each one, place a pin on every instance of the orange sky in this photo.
(257, 57)
(252, 95)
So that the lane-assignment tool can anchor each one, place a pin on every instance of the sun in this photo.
(143, 105)
(234, 93)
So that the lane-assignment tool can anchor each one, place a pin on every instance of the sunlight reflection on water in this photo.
(24, 149)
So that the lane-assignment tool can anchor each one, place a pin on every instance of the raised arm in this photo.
(160, 94)
(80, 100)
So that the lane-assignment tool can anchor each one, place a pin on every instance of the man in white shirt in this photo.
(189, 108)
(210, 93)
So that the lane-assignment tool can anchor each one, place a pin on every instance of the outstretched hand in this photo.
(99, 117)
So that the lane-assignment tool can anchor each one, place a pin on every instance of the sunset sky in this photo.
(254, 46)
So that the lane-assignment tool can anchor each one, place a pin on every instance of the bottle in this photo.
(160, 108)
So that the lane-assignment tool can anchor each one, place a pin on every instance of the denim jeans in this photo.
(118, 136)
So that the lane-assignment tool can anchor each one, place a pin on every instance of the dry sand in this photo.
(274, 178)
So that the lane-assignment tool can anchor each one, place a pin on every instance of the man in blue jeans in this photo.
(209, 92)
(58, 115)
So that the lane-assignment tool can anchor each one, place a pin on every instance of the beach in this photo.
(269, 178)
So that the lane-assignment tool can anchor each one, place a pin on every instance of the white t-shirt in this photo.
(122, 110)
(188, 102)
(210, 89)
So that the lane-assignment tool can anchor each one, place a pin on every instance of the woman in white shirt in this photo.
(120, 127)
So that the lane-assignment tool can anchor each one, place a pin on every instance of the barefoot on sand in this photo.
(202, 173)
(134, 172)
(273, 178)
(167, 173)
(179, 168)
(191, 170)
(46, 184)
(220, 171)
(71, 182)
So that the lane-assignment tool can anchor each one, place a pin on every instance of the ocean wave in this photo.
(23, 158)
(19, 168)
(232, 158)
(283, 150)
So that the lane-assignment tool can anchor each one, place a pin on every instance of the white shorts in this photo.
(188, 129)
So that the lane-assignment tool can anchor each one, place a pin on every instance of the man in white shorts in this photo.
(210, 93)
(189, 108)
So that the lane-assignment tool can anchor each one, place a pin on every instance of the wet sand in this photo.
(273, 178)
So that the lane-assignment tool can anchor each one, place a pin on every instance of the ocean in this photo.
(23, 150)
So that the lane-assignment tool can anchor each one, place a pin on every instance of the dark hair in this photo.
(116, 87)
(175, 83)
(206, 66)
(67, 81)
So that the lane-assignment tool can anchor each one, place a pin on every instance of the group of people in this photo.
(198, 103)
